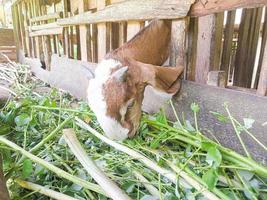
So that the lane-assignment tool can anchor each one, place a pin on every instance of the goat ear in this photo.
(120, 74)
(167, 78)
(161, 78)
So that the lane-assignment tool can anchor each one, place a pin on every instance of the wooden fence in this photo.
(213, 52)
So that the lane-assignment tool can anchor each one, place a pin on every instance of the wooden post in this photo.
(247, 47)
(16, 29)
(22, 28)
(102, 40)
(25, 23)
(84, 33)
(262, 86)
(208, 46)
(66, 29)
(228, 42)
(178, 36)
(191, 48)
(122, 33)
(133, 27)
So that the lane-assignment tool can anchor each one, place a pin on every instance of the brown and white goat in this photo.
(117, 90)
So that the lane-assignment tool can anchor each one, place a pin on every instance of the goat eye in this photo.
(131, 104)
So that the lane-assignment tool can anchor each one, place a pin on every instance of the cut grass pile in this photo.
(166, 160)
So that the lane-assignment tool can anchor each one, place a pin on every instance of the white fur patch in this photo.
(95, 97)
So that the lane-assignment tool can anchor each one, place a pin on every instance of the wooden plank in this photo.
(84, 32)
(50, 16)
(44, 26)
(22, 28)
(102, 39)
(228, 42)
(134, 10)
(205, 48)
(15, 28)
(52, 31)
(133, 27)
(25, 21)
(122, 33)
(216, 6)
(216, 42)
(178, 37)
(66, 45)
(240, 72)
(262, 86)
(254, 39)
(263, 43)
(191, 48)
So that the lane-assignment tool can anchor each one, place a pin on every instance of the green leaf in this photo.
(195, 107)
(206, 145)
(210, 178)
(214, 157)
(169, 196)
(27, 168)
(4, 129)
(220, 117)
(22, 119)
(248, 123)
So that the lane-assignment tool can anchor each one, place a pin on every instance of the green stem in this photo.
(62, 109)
(237, 132)
(49, 166)
(251, 135)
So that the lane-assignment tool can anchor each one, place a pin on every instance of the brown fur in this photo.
(143, 55)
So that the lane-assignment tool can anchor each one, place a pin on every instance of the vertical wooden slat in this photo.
(206, 45)
(122, 33)
(263, 43)
(228, 42)
(38, 40)
(84, 32)
(262, 86)
(22, 29)
(241, 54)
(26, 31)
(178, 36)
(133, 27)
(66, 47)
(16, 29)
(102, 39)
(192, 48)
(216, 42)
(247, 47)
(94, 45)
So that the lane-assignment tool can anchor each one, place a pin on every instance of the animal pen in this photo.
(221, 44)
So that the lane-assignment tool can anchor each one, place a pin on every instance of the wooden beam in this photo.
(44, 26)
(207, 7)
(46, 17)
(52, 31)
(228, 42)
(134, 10)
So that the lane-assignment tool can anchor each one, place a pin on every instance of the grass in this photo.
(167, 160)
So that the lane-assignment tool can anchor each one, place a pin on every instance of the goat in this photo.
(116, 93)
